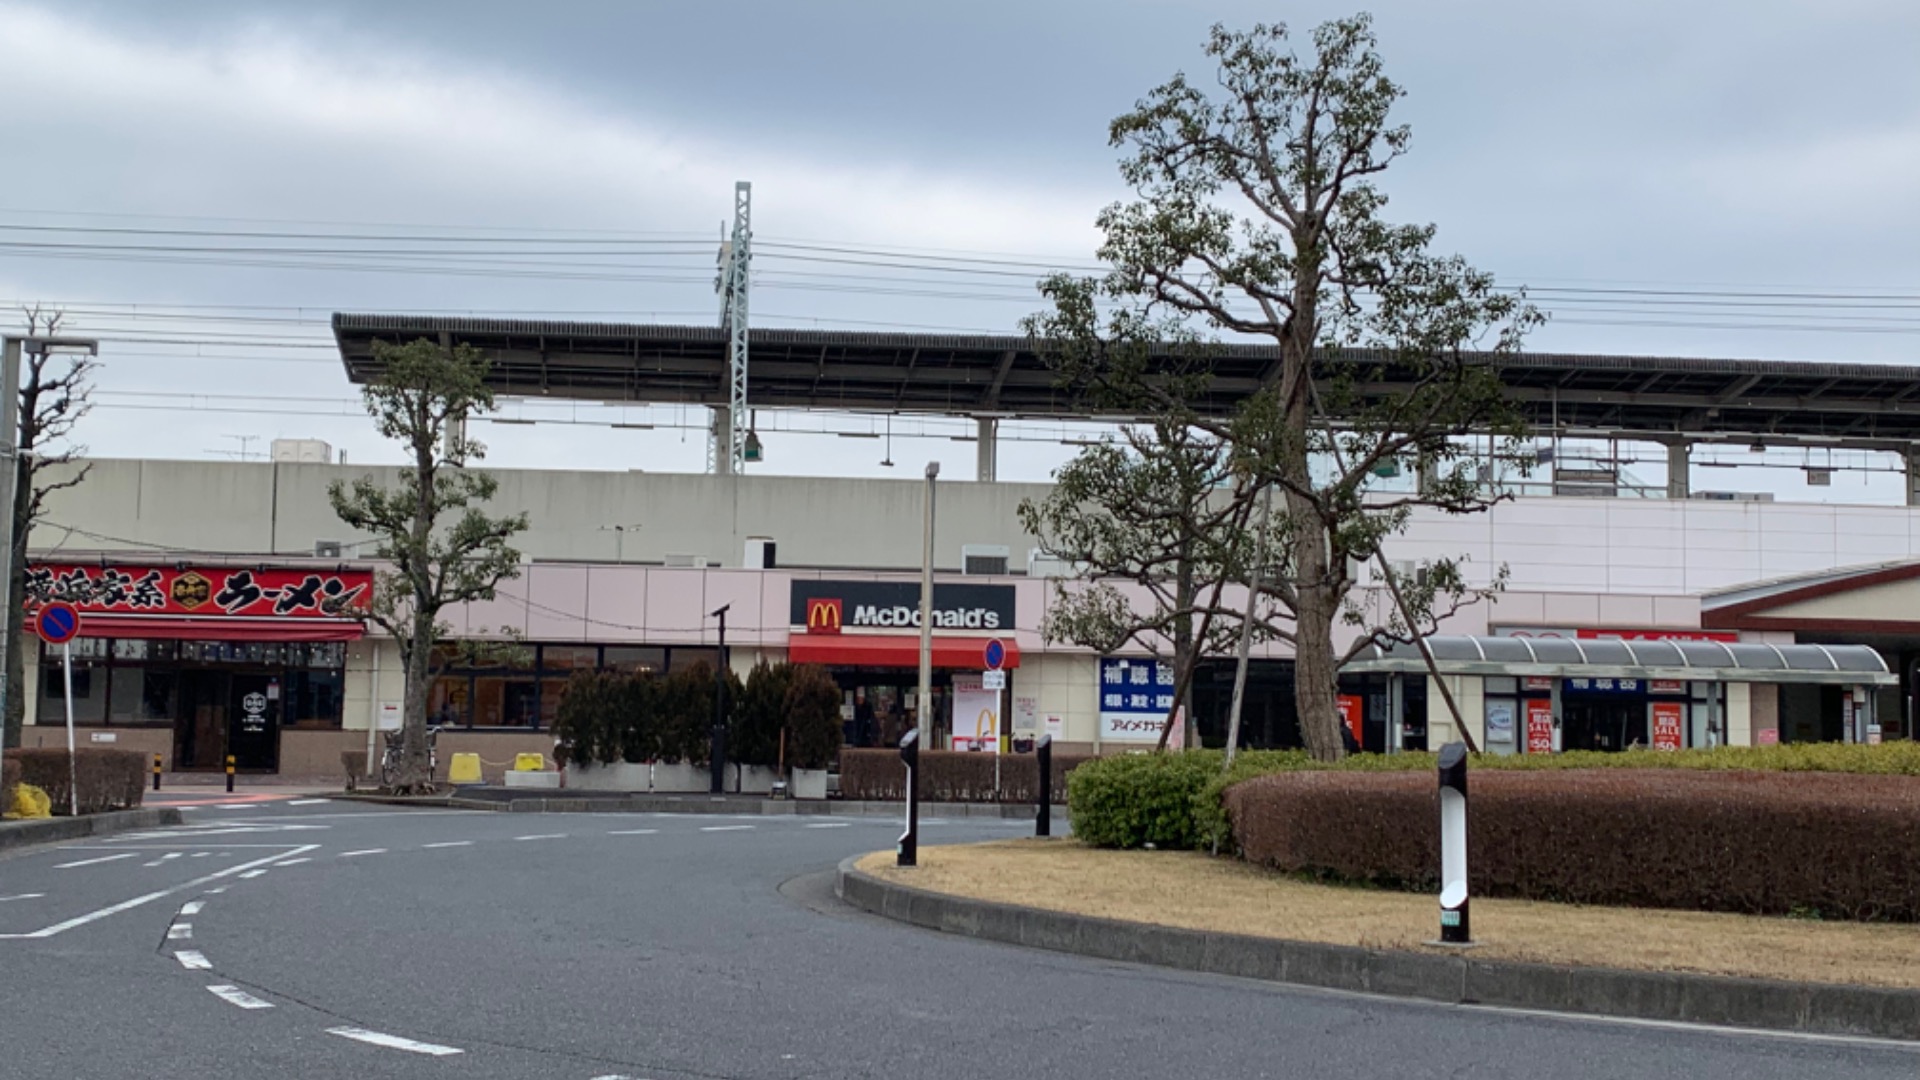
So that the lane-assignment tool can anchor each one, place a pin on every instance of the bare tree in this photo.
(54, 391)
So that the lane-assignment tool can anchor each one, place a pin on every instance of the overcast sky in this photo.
(1747, 145)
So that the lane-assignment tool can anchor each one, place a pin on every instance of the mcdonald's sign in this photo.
(823, 615)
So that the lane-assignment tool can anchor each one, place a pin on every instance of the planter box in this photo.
(751, 779)
(809, 784)
(681, 777)
(619, 776)
(533, 780)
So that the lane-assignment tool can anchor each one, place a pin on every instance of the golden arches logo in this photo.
(823, 616)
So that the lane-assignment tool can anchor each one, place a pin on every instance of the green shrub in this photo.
(759, 713)
(878, 774)
(812, 707)
(108, 779)
(1131, 800)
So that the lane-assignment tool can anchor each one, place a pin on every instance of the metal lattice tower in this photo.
(727, 449)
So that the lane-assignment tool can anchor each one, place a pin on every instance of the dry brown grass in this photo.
(1198, 892)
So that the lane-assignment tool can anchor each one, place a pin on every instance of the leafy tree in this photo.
(1256, 215)
(759, 712)
(812, 708)
(54, 397)
(1161, 510)
(443, 549)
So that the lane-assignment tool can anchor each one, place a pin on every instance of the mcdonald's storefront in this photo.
(867, 634)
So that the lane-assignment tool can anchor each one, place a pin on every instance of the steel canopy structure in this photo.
(1673, 399)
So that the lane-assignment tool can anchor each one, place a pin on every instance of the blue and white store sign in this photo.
(1135, 694)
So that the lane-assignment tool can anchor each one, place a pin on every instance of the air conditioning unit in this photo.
(1041, 564)
(984, 559)
(327, 549)
(759, 554)
(687, 562)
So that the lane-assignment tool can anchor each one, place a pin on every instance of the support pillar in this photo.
(987, 450)
(1911, 456)
(721, 448)
(1679, 469)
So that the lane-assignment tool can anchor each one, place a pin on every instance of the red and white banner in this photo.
(1353, 710)
(1602, 633)
(1667, 734)
(1539, 726)
(202, 592)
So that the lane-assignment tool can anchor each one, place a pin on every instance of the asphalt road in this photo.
(329, 940)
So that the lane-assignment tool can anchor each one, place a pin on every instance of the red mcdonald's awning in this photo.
(220, 629)
(894, 650)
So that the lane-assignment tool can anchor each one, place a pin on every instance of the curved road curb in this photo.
(15, 834)
(1811, 1008)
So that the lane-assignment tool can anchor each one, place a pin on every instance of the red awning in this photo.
(894, 650)
(222, 629)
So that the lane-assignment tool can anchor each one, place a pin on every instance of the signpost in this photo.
(58, 624)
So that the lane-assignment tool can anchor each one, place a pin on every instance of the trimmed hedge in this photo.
(952, 776)
(1749, 842)
(108, 779)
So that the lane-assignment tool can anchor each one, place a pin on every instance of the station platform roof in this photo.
(1610, 658)
(1648, 397)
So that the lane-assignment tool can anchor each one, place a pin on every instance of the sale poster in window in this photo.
(1667, 719)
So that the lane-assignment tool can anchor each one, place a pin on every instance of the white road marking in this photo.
(233, 995)
(449, 843)
(724, 828)
(200, 854)
(544, 836)
(179, 931)
(292, 862)
(164, 858)
(307, 802)
(364, 851)
(23, 896)
(193, 961)
(251, 874)
(192, 907)
(614, 1076)
(392, 1042)
(90, 862)
(216, 892)
(237, 806)
(829, 825)
(633, 832)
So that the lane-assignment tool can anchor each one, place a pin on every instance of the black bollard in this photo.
(910, 840)
(229, 773)
(156, 772)
(1043, 814)
(1454, 928)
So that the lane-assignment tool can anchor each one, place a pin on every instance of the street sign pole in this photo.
(73, 767)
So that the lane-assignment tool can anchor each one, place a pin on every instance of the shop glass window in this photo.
(449, 700)
(89, 693)
(141, 695)
(682, 659)
(563, 660)
(314, 698)
(635, 659)
(504, 701)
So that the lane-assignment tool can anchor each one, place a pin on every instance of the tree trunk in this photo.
(1184, 655)
(1314, 676)
(16, 619)
(415, 776)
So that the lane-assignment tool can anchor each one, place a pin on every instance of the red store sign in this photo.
(248, 603)
(1602, 634)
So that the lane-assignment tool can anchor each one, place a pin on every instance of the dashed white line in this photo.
(216, 892)
(306, 802)
(292, 862)
(193, 961)
(393, 1042)
(23, 896)
(164, 858)
(829, 825)
(724, 828)
(237, 806)
(233, 995)
(633, 832)
(192, 907)
(614, 1076)
(200, 854)
(364, 851)
(91, 862)
(544, 836)
(179, 931)
(251, 874)
(449, 843)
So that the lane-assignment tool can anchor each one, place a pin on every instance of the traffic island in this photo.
(1233, 919)
(14, 834)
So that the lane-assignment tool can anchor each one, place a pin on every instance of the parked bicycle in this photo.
(390, 757)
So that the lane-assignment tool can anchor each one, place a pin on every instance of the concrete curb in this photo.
(15, 834)
(524, 802)
(1811, 1008)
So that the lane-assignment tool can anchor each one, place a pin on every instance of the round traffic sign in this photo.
(994, 654)
(57, 622)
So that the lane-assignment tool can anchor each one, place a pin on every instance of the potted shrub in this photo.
(812, 708)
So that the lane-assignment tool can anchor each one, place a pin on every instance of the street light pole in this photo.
(925, 727)
(10, 352)
(717, 749)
